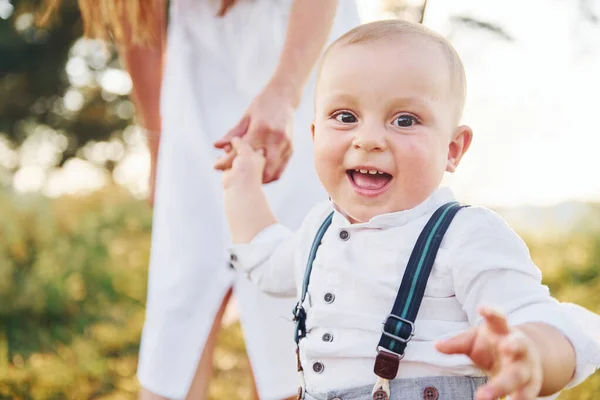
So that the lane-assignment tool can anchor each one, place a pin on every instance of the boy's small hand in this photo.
(247, 166)
(507, 354)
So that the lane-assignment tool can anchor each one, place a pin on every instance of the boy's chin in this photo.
(359, 213)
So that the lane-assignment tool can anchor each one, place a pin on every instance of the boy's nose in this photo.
(370, 140)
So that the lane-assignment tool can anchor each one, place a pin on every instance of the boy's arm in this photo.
(492, 267)
(248, 211)
(246, 206)
(557, 355)
(268, 260)
(514, 357)
(263, 249)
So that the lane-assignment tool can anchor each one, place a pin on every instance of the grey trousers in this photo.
(426, 388)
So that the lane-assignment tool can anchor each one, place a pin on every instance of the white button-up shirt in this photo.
(357, 273)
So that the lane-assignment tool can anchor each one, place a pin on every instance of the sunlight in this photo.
(531, 102)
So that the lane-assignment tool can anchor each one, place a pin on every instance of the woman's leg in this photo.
(268, 334)
(145, 394)
(199, 388)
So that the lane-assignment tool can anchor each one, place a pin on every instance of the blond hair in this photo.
(396, 29)
(134, 21)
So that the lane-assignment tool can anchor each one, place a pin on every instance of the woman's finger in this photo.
(285, 156)
(225, 6)
(225, 161)
(275, 163)
(237, 131)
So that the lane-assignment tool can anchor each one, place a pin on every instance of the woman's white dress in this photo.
(214, 68)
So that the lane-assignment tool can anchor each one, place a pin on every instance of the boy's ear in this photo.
(461, 140)
(312, 130)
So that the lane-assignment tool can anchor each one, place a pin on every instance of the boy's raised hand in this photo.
(506, 354)
(247, 166)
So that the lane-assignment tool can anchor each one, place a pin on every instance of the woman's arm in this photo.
(144, 65)
(310, 22)
(144, 62)
(268, 121)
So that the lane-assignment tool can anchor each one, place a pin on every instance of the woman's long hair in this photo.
(119, 20)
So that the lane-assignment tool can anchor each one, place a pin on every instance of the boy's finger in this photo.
(459, 344)
(514, 346)
(527, 393)
(495, 320)
(240, 145)
(509, 380)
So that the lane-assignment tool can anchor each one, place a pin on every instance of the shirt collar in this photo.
(438, 198)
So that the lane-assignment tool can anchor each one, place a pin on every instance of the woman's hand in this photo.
(268, 125)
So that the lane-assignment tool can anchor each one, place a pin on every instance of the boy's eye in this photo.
(345, 117)
(405, 121)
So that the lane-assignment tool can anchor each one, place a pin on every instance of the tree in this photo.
(56, 85)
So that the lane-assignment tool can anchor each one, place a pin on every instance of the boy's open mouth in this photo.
(369, 181)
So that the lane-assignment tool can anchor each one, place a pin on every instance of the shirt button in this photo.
(318, 367)
(327, 337)
(380, 395)
(344, 235)
(233, 258)
(430, 393)
(329, 297)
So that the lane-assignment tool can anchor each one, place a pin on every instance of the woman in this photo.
(231, 68)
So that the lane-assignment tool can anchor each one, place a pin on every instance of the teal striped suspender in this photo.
(299, 312)
(398, 327)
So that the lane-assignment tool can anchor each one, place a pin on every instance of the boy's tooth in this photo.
(369, 171)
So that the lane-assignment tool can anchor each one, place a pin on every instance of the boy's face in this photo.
(384, 128)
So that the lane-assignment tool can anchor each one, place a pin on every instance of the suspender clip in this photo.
(300, 318)
(400, 321)
(387, 364)
(299, 312)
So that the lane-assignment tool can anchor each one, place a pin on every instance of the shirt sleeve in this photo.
(494, 268)
(268, 260)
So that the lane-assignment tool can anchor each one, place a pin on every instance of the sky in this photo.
(532, 102)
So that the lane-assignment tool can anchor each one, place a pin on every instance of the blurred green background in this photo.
(72, 291)
(73, 266)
